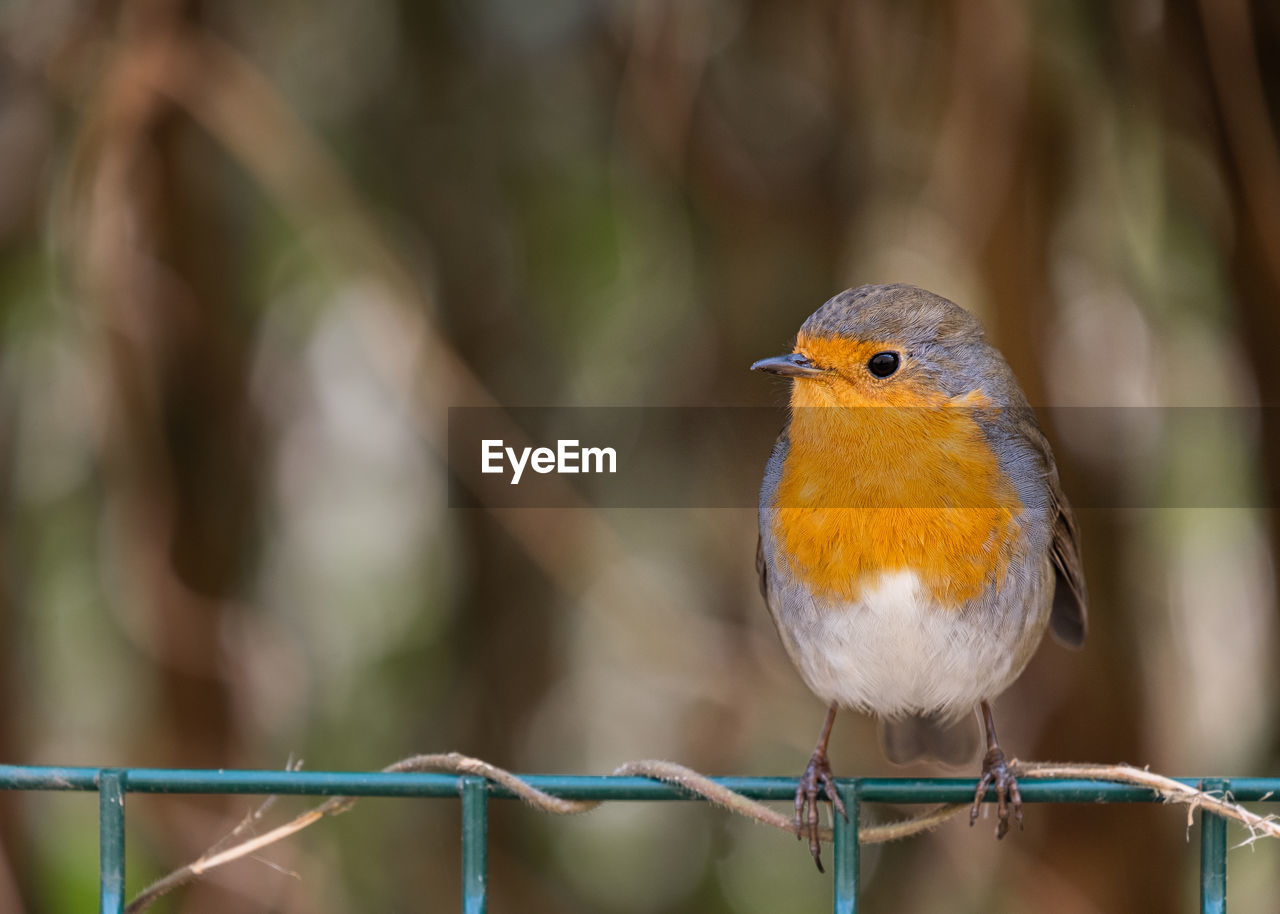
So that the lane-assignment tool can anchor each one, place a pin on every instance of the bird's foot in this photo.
(996, 772)
(816, 782)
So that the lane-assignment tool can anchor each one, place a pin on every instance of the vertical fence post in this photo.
(111, 841)
(1213, 855)
(846, 849)
(475, 840)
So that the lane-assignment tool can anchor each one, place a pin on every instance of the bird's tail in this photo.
(930, 736)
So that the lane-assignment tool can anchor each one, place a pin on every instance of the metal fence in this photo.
(114, 784)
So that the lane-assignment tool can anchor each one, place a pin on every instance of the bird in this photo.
(915, 540)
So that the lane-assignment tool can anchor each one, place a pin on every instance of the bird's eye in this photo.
(883, 364)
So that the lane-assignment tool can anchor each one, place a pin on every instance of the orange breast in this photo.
(871, 490)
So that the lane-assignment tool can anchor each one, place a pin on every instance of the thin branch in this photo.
(703, 786)
(1170, 791)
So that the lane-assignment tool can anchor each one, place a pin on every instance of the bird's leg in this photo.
(817, 777)
(995, 770)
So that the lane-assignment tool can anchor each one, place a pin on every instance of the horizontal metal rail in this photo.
(113, 784)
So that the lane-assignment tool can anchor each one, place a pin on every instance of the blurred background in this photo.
(251, 253)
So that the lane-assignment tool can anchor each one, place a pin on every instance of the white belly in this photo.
(893, 653)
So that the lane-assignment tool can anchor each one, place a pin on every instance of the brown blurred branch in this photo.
(1233, 62)
(1168, 790)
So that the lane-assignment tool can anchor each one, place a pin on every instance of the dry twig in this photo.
(1170, 791)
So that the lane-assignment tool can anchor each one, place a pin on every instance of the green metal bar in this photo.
(582, 787)
(846, 849)
(1213, 855)
(475, 844)
(111, 787)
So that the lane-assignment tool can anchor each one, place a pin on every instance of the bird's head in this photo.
(886, 345)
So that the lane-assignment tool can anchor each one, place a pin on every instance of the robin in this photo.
(915, 542)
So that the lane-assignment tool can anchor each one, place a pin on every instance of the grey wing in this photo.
(1069, 618)
(772, 473)
(762, 569)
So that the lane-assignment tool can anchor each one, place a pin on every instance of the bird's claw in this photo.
(996, 772)
(816, 782)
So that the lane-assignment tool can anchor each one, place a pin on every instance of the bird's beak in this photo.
(793, 365)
